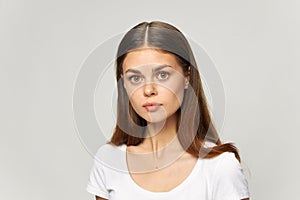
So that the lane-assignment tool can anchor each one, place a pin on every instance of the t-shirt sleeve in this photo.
(229, 181)
(96, 182)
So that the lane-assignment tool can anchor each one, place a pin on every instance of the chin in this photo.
(156, 118)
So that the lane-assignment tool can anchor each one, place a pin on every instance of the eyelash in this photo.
(134, 76)
(167, 73)
(157, 74)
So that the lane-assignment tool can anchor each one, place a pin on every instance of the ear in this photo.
(187, 78)
(187, 81)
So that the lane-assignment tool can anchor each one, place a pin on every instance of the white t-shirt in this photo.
(219, 178)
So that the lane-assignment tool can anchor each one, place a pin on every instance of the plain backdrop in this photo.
(254, 44)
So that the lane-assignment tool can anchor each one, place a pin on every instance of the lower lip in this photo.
(152, 108)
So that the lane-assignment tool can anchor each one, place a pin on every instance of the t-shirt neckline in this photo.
(179, 187)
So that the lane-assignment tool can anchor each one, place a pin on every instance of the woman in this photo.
(164, 139)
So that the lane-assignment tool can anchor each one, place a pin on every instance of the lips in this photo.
(152, 107)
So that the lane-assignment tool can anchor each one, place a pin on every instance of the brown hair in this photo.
(195, 125)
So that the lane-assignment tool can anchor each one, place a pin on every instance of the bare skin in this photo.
(163, 179)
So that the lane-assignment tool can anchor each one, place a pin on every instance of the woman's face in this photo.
(154, 82)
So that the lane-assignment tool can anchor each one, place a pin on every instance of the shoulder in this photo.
(107, 148)
(224, 162)
(228, 171)
(228, 160)
(111, 156)
(225, 158)
(222, 165)
(228, 179)
(227, 165)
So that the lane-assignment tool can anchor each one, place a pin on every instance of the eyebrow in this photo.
(138, 72)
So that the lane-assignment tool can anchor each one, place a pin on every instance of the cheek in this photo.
(172, 96)
(135, 97)
(129, 90)
(175, 90)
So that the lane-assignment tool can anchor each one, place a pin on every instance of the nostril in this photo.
(150, 90)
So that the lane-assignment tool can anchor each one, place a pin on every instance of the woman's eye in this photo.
(135, 79)
(162, 75)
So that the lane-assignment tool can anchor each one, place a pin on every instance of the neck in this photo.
(159, 135)
(160, 147)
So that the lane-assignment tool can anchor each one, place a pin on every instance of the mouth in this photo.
(152, 107)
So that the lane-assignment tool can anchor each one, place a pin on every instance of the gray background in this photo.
(254, 44)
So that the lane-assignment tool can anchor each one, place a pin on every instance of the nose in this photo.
(150, 89)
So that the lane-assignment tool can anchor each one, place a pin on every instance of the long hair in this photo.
(195, 126)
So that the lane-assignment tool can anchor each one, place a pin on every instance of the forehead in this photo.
(142, 57)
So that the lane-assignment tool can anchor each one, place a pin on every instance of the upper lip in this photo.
(151, 104)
